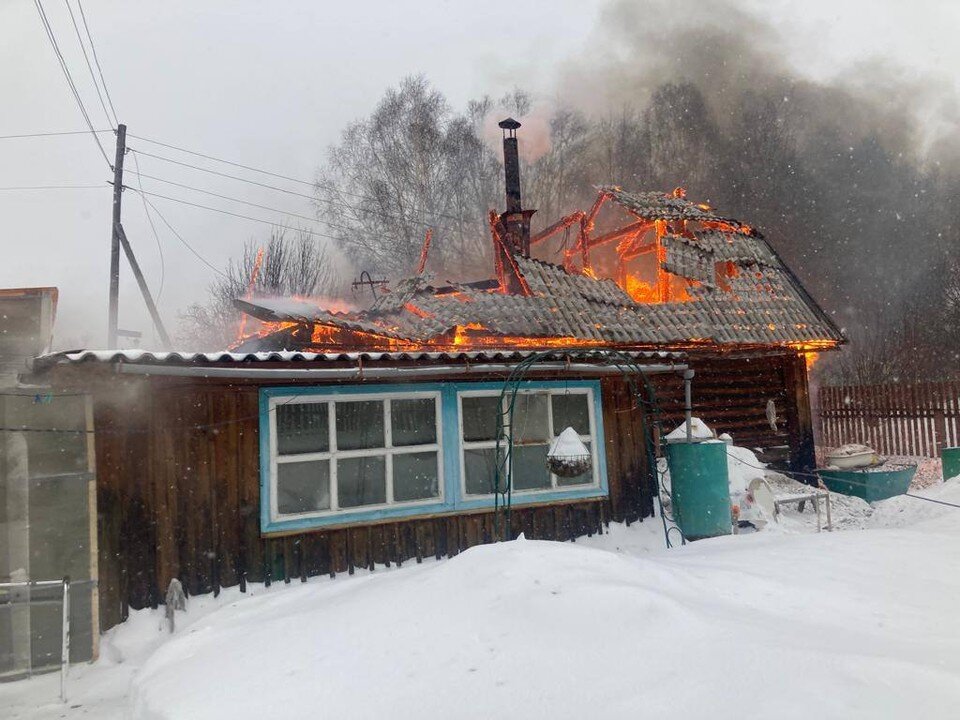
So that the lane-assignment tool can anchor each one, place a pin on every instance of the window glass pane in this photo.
(584, 479)
(530, 417)
(415, 476)
(303, 486)
(570, 410)
(359, 424)
(361, 481)
(480, 417)
(413, 422)
(479, 466)
(530, 468)
(302, 428)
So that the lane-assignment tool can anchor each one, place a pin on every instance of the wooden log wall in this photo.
(177, 502)
(730, 395)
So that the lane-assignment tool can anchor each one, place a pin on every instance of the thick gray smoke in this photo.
(852, 180)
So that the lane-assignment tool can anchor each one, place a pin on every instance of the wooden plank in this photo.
(225, 474)
(250, 547)
(164, 491)
(453, 536)
(289, 558)
(610, 389)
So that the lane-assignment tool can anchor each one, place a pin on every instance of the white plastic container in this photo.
(853, 460)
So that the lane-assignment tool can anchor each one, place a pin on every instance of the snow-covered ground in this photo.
(784, 623)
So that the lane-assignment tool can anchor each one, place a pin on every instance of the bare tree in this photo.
(412, 165)
(280, 266)
(557, 179)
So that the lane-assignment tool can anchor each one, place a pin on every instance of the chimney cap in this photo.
(509, 124)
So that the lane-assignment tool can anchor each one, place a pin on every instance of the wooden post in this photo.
(144, 290)
(799, 418)
(115, 238)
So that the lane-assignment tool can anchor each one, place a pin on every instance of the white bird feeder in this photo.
(568, 456)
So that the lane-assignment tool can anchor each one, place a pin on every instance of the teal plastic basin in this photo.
(869, 485)
(700, 489)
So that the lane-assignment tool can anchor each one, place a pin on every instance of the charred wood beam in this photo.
(595, 208)
(635, 250)
(423, 251)
(631, 229)
(561, 224)
(508, 272)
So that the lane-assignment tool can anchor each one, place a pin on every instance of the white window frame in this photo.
(551, 431)
(332, 455)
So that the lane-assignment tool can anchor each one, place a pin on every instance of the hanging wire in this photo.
(86, 58)
(187, 245)
(66, 72)
(863, 484)
(50, 134)
(269, 173)
(313, 198)
(96, 60)
(153, 229)
(233, 214)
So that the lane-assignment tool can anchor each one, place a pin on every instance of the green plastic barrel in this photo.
(951, 462)
(700, 489)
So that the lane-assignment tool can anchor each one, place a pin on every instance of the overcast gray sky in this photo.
(272, 84)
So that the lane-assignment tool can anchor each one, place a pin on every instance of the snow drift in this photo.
(834, 625)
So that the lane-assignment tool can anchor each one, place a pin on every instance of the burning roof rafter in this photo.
(676, 274)
(715, 281)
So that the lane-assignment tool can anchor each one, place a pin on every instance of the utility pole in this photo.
(115, 237)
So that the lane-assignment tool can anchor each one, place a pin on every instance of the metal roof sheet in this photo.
(146, 357)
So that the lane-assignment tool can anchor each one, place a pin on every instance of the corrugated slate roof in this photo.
(760, 303)
(663, 206)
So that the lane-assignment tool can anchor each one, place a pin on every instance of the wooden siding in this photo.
(177, 502)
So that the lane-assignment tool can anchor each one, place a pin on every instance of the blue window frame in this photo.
(360, 453)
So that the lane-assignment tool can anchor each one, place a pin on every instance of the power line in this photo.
(50, 134)
(358, 196)
(279, 189)
(86, 58)
(66, 71)
(153, 229)
(96, 60)
(346, 206)
(54, 187)
(189, 247)
(243, 202)
(221, 160)
(850, 481)
(232, 177)
(237, 215)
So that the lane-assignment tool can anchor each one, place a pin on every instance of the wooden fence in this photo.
(894, 419)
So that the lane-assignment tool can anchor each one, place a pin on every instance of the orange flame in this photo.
(254, 274)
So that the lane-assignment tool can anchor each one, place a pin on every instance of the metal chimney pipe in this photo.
(511, 164)
(515, 219)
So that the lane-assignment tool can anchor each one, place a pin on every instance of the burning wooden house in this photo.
(330, 440)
